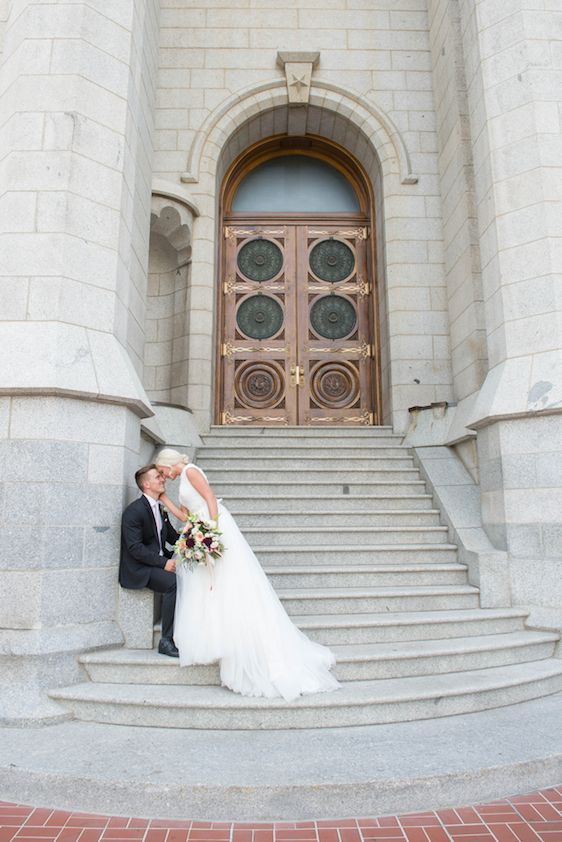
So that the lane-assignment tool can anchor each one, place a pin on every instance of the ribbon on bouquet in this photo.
(210, 562)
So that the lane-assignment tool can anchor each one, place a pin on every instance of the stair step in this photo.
(364, 554)
(302, 450)
(395, 660)
(284, 474)
(355, 703)
(344, 537)
(321, 462)
(296, 442)
(243, 431)
(361, 600)
(333, 629)
(365, 575)
(366, 504)
(336, 629)
(263, 519)
(305, 489)
(355, 662)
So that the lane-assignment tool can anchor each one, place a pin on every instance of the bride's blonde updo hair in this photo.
(169, 458)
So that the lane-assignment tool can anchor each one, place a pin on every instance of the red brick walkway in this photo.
(525, 818)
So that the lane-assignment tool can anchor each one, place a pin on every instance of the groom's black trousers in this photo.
(164, 582)
(140, 563)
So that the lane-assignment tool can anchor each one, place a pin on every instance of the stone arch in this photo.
(403, 210)
(239, 108)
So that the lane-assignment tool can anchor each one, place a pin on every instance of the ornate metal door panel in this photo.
(259, 333)
(334, 330)
(296, 327)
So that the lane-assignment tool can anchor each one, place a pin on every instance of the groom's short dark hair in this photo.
(141, 472)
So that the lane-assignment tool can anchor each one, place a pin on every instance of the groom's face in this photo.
(154, 482)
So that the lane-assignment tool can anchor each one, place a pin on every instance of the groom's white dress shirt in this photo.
(157, 517)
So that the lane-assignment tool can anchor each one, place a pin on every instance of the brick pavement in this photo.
(536, 817)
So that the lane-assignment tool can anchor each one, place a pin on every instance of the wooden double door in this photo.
(296, 346)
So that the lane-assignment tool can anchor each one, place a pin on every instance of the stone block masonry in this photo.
(452, 109)
(212, 56)
(76, 110)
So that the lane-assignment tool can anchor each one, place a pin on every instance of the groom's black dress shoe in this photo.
(168, 647)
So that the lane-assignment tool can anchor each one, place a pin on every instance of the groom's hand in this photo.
(170, 566)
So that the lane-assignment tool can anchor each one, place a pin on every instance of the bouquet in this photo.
(199, 543)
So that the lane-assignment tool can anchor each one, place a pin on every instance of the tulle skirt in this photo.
(230, 613)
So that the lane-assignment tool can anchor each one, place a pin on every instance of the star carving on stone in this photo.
(298, 67)
(298, 82)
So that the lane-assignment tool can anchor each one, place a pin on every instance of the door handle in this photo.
(294, 375)
(297, 375)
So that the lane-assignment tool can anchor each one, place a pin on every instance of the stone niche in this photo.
(167, 305)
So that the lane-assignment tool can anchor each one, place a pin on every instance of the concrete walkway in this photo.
(236, 775)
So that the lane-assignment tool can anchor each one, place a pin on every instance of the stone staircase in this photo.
(378, 581)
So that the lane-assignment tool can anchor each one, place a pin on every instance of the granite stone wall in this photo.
(513, 74)
(521, 492)
(513, 82)
(219, 79)
(4, 4)
(166, 358)
(76, 90)
(460, 226)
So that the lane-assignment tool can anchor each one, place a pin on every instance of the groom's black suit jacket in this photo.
(140, 548)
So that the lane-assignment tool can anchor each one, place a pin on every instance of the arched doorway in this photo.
(298, 323)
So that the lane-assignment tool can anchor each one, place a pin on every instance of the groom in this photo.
(146, 562)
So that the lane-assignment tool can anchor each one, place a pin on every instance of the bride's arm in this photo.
(180, 513)
(201, 485)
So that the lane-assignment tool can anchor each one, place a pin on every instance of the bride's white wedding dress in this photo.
(232, 614)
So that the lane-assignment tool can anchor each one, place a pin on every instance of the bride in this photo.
(231, 613)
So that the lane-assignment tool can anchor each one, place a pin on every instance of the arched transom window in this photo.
(295, 184)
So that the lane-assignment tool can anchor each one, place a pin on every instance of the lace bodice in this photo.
(189, 497)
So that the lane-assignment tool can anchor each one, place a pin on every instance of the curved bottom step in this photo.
(355, 703)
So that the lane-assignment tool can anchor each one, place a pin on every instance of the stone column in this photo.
(462, 251)
(513, 69)
(76, 103)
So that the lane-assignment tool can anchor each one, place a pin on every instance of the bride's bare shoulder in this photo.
(192, 470)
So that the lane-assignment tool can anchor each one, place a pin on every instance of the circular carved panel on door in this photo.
(333, 317)
(334, 384)
(259, 384)
(332, 260)
(260, 317)
(260, 260)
